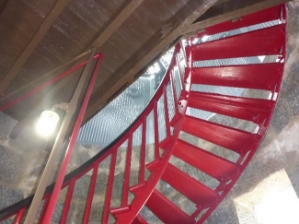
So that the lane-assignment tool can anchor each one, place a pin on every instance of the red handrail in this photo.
(167, 94)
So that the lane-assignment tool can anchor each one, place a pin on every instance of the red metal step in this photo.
(255, 110)
(139, 220)
(205, 161)
(167, 211)
(267, 41)
(227, 137)
(188, 186)
(258, 76)
(248, 20)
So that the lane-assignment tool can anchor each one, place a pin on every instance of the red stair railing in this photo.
(175, 97)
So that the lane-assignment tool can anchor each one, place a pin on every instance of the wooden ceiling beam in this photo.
(136, 65)
(149, 51)
(116, 22)
(229, 11)
(34, 42)
(120, 17)
(3, 3)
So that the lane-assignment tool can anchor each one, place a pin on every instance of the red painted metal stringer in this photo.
(261, 76)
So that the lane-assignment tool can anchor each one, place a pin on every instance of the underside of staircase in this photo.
(233, 69)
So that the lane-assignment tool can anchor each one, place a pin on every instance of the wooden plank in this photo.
(38, 36)
(130, 71)
(157, 44)
(229, 11)
(116, 22)
(2, 5)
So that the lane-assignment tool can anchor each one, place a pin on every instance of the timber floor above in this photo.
(37, 36)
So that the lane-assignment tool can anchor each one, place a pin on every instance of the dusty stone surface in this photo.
(9, 196)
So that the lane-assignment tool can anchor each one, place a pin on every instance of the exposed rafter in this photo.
(130, 71)
(35, 40)
(112, 26)
(116, 22)
(2, 5)
(221, 13)
(157, 44)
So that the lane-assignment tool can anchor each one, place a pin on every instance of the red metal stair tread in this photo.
(247, 20)
(205, 161)
(230, 138)
(167, 211)
(255, 110)
(258, 76)
(188, 186)
(268, 41)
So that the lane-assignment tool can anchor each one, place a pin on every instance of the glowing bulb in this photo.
(47, 123)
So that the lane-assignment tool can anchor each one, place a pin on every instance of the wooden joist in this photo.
(35, 40)
(135, 66)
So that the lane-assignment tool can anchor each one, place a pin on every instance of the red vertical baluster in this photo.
(127, 173)
(109, 187)
(90, 193)
(142, 154)
(72, 141)
(156, 127)
(166, 112)
(175, 99)
(45, 207)
(19, 216)
(67, 202)
(180, 71)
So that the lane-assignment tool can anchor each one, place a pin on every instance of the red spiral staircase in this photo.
(175, 96)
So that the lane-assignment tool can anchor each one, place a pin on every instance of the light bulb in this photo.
(47, 123)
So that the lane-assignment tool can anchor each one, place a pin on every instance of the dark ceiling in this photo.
(37, 36)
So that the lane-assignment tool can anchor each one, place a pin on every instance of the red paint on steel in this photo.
(256, 76)
(156, 128)
(67, 202)
(227, 137)
(36, 90)
(90, 193)
(166, 210)
(109, 187)
(208, 162)
(266, 15)
(45, 207)
(67, 157)
(268, 41)
(19, 216)
(166, 112)
(142, 154)
(244, 143)
(255, 110)
(188, 186)
(127, 173)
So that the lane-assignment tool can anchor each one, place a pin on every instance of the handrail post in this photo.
(48, 171)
